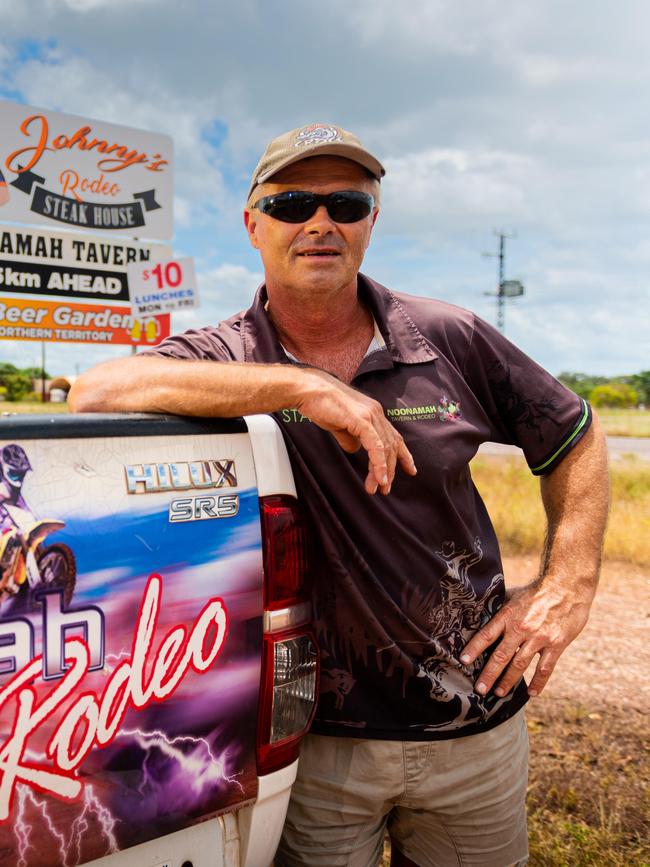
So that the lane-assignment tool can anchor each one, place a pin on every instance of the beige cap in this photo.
(317, 139)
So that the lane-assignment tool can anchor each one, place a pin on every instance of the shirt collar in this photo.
(404, 341)
(403, 338)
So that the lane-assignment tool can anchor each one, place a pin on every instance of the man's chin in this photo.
(327, 276)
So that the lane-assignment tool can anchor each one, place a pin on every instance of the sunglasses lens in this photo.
(348, 206)
(290, 207)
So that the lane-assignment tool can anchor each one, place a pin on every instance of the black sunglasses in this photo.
(297, 206)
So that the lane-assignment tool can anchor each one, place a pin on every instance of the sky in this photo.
(489, 115)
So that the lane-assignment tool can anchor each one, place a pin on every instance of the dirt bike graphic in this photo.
(26, 563)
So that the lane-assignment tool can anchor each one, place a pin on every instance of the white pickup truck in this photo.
(157, 671)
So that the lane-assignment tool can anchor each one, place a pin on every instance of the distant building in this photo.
(59, 387)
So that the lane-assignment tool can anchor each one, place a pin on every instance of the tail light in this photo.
(289, 660)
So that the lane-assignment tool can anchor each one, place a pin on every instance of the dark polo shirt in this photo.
(400, 583)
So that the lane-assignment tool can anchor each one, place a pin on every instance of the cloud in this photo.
(488, 114)
(452, 187)
(223, 290)
(92, 5)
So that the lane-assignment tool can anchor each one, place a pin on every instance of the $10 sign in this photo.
(160, 287)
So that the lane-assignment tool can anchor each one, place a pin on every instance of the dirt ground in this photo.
(589, 784)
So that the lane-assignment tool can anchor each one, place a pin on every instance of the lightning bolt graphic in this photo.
(67, 845)
(123, 654)
(196, 767)
(199, 766)
(92, 805)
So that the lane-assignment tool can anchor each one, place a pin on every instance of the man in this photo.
(419, 722)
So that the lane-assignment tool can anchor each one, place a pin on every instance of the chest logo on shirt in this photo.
(444, 410)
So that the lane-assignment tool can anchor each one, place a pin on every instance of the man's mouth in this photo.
(319, 252)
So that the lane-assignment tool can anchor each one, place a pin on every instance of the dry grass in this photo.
(625, 422)
(588, 797)
(512, 498)
(7, 406)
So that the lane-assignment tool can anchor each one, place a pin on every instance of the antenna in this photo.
(505, 288)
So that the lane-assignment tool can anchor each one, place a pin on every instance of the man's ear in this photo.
(375, 214)
(251, 227)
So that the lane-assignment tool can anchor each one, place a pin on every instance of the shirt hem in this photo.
(342, 731)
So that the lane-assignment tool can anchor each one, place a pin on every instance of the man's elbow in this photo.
(84, 396)
(95, 390)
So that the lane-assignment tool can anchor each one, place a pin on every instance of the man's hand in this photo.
(357, 421)
(545, 616)
(537, 619)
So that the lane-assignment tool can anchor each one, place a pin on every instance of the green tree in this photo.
(640, 382)
(614, 394)
(6, 368)
(36, 372)
(18, 385)
(582, 383)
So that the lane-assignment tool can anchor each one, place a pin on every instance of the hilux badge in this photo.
(180, 476)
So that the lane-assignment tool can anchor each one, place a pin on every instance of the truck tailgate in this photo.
(130, 632)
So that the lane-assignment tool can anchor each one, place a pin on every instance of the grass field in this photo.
(588, 796)
(511, 495)
(45, 408)
(625, 422)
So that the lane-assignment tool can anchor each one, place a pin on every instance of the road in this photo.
(618, 447)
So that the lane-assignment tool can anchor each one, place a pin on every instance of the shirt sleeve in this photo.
(200, 344)
(525, 405)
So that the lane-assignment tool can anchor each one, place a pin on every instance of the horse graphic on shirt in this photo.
(461, 611)
(452, 622)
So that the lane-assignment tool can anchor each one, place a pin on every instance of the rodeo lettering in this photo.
(90, 719)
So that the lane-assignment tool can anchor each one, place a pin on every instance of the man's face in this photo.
(319, 255)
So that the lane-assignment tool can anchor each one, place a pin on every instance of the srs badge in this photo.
(202, 508)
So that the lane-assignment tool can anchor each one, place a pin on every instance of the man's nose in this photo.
(320, 223)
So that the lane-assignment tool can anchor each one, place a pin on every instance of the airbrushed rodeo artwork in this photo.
(109, 655)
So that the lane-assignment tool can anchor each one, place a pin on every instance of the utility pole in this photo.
(42, 371)
(505, 288)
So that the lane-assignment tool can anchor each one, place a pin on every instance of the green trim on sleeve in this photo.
(579, 427)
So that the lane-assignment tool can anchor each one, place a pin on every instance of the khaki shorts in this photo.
(445, 803)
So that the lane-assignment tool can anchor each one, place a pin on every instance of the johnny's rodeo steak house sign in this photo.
(63, 170)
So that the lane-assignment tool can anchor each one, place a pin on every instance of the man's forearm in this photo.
(199, 388)
(544, 617)
(576, 498)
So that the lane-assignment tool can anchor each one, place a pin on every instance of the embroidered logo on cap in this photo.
(315, 134)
